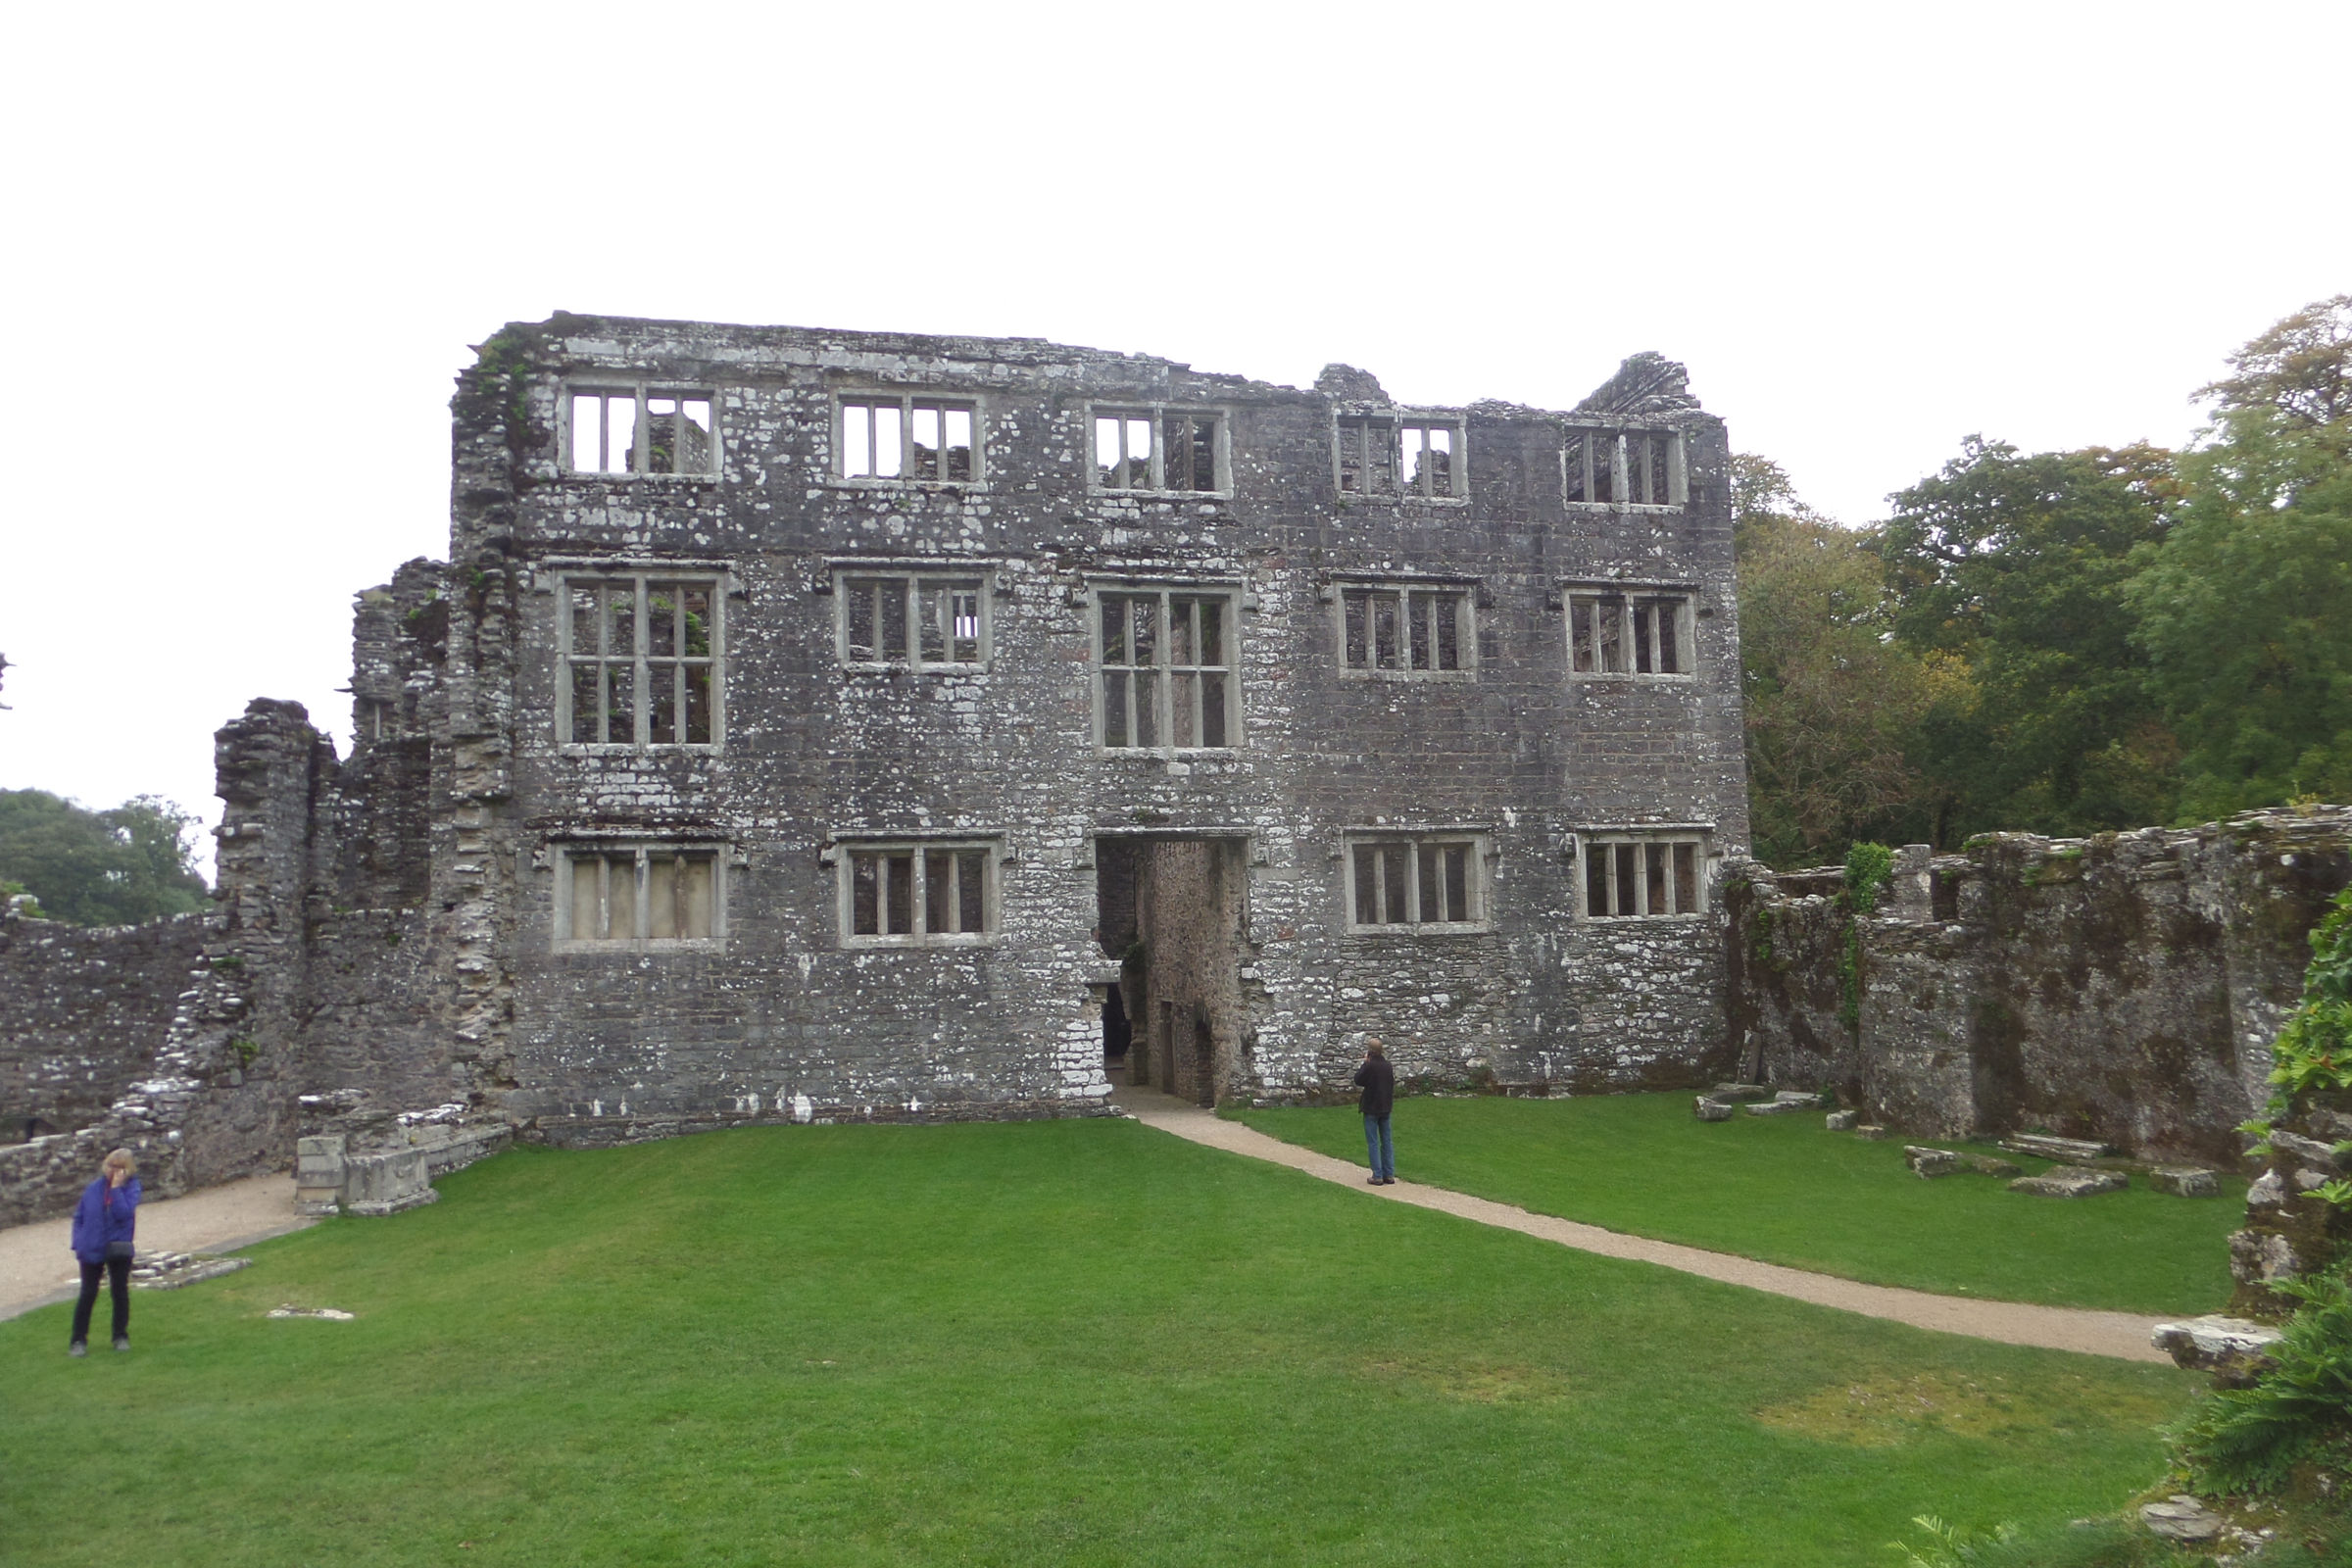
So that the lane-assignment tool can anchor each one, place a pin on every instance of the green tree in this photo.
(2245, 610)
(2015, 566)
(113, 868)
(1833, 704)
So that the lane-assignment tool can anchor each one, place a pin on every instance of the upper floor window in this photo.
(893, 436)
(1166, 665)
(920, 894)
(641, 656)
(1643, 875)
(1162, 450)
(638, 895)
(641, 429)
(1624, 468)
(1617, 632)
(1405, 630)
(1398, 455)
(1421, 880)
(913, 621)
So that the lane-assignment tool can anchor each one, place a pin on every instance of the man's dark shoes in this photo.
(77, 1348)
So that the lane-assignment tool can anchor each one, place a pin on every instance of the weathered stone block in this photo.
(2072, 1151)
(386, 1184)
(1842, 1121)
(2235, 1349)
(1871, 1131)
(2185, 1181)
(1929, 1163)
(2257, 1257)
(2071, 1181)
(1780, 1108)
(2182, 1519)
(1706, 1109)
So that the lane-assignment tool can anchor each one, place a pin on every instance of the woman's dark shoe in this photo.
(77, 1348)
(122, 1342)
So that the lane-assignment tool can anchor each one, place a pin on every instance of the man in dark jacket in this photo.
(1378, 1080)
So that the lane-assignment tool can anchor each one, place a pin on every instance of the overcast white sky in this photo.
(247, 247)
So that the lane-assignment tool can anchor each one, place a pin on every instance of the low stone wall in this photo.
(83, 1012)
(2123, 988)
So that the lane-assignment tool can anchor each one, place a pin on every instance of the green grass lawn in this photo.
(1785, 1189)
(1072, 1341)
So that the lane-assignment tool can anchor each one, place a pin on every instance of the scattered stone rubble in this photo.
(170, 1272)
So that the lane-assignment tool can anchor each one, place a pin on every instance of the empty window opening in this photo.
(924, 439)
(917, 894)
(637, 430)
(1404, 631)
(1646, 875)
(1624, 468)
(1164, 450)
(1166, 663)
(1378, 455)
(912, 621)
(642, 656)
(1414, 882)
(635, 894)
(1629, 634)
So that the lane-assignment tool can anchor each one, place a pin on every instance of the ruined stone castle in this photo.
(821, 725)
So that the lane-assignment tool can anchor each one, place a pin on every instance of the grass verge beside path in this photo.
(1784, 1189)
(1050, 1342)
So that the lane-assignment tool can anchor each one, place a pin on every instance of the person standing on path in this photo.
(1378, 1080)
(104, 1222)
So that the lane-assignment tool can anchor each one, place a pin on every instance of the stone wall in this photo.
(2123, 988)
(82, 1013)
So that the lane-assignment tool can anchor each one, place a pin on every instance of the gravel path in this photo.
(36, 1267)
(2121, 1335)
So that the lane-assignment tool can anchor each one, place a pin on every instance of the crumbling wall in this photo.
(2123, 988)
(82, 1013)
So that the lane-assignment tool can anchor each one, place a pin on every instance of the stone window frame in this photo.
(909, 400)
(1381, 843)
(1397, 420)
(1604, 853)
(919, 572)
(563, 574)
(1470, 591)
(844, 850)
(1592, 454)
(1157, 414)
(1605, 594)
(1235, 601)
(565, 857)
(641, 444)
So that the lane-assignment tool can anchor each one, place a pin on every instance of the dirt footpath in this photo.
(36, 1268)
(2122, 1335)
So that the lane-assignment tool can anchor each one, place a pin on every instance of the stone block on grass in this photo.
(1929, 1163)
(2185, 1181)
(1842, 1121)
(1870, 1130)
(1706, 1109)
(2045, 1146)
(1779, 1107)
(2235, 1349)
(2071, 1181)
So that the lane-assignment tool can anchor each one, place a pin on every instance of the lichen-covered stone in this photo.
(2071, 1181)
(2185, 1181)
(1929, 1163)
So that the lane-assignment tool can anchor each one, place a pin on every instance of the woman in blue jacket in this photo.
(103, 1225)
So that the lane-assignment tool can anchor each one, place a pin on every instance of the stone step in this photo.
(2045, 1146)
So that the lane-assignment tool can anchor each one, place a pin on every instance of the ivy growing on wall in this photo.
(1867, 869)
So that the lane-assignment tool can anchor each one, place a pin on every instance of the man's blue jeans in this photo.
(1380, 1148)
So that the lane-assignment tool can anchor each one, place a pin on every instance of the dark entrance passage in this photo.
(1117, 1032)
(1173, 909)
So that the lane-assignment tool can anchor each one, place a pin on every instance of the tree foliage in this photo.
(1832, 701)
(113, 868)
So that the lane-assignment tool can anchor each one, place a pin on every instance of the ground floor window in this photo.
(1420, 881)
(917, 894)
(1643, 875)
(638, 895)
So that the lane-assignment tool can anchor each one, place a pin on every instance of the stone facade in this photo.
(2125, 988)
(819, 725)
